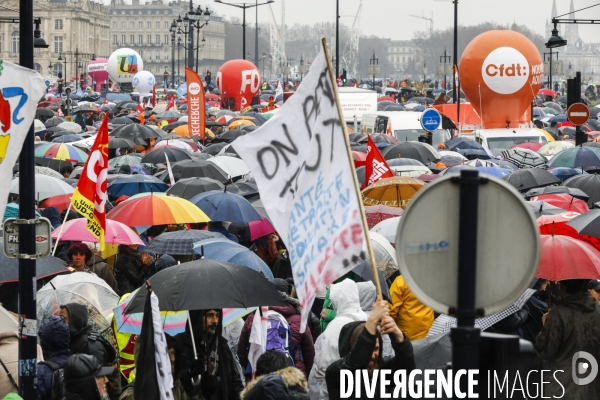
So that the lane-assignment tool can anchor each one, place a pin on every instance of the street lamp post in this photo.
(424, 70)
(445, 59)
(374, 67)
(179, 44)
(245, 6)
(65, 71)
(173, 30)
(550, 56)
(192, 20)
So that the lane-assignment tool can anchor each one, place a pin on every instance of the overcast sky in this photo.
(390, 19)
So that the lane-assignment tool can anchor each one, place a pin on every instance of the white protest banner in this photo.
(301, 165)
(20, 90)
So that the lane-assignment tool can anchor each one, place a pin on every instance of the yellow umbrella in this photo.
(548, 136)
(391, 192)
(239, 122)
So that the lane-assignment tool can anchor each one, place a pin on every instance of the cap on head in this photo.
(80, 366)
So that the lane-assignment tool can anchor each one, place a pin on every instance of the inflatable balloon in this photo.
(123, 64)
(238, 81)
(98, 71)
(500, 73)
(143, 82)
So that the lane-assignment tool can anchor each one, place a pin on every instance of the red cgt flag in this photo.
(196, 104)
(154, 96)
(375, 166)
(171, 103)
(89, 198)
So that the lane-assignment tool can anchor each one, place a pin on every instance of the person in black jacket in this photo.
(131, 268)
(360, 344)
(211, 373)
(85, 378)
(83, 339)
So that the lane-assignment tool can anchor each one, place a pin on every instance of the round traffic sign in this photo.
(508, 245)
(578, 114)
(431, 120)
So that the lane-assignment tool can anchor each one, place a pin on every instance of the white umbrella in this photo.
(70, 126)
(410, 170)
(47, 171)
(385, 255)
(481, 163)
(232, 165)
(388, 228)
(183, 119)
(452, 154)
(159, 108)
(174, 143)
(45, 186)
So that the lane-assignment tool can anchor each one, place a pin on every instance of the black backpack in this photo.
(57, 390)
(109, 350)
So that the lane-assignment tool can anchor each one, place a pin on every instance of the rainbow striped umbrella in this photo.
(157, 210)
(61, 151)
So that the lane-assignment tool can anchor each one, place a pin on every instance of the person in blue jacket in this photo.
(54, 339)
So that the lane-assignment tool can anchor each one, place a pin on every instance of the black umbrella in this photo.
(45, 267)
(133, 131)
(365, 272)
(360, 174)
(43, 112)
(528, 178)
(54, 122)
(415, 150)
(588, 184)
(189, 187)
(356, 136)
(196, 168)
(157, 156)
(208, 284)
(433, 352)
(557, 190)
(173, 125)
(229, 136)
(540, 208)
(214, 148)
(121, 121)
(462, 143)
(120, 143)
(553, 132)
(179, 242)
(245, 189)
(587, 224)
(395, 107)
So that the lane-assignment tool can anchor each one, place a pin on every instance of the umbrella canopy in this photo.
(189, 187)
(45, 186)
(365, 272)
(179, 242)
(214, 148)
(12, 211)
(47, 171)
(482, 163)
(224, 206)
(563, 257)
(168, 115)
(196, 168)
(66, 139)
(61, 202)
(207, 284)
(533, 146)
(589, 184)
(564, 201)
(376, 214)
(70, 126)
(133, 184)
(61, 151)
(233, 166)
(44, 267)
(157, 156)
(260, 228)
(121, 143)
(129, 159)
(176, 144)
(576, 157)
(395, 192)
(540, 208)
(82, 288)
(524, 157)
(587, 224)
(559, 225)
(121, 121)
(388, 228)
(415, 150)
(134, 131)
(245, 189)
(552, 148)
(557, 190)
(462, 143)
(157, 210)
(385, 255)
(434, 351)
(564, 173)
(115, 233)
(54, 122)
(494, 171)
(223, 249)
(260, 208)
(528, 178)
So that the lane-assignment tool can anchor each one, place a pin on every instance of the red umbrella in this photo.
(534, 146)
(359, 158)
(385, 98)
(61, 202)
(376, 214)
(557, 225)
(547, 92)
(563, 257)
(564, 201)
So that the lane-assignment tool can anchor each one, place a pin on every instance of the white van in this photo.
(403, 125)
(502, 138)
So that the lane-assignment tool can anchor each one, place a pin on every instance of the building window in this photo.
(149, 39)
(123, 42)
(149, 25)
(58, 44)
(132, 25)
(157, 24)
(140, 25)
(37, 67)
(123, 25)
(57, 68)
(166, 55)
(132, 39)
(114, 25)
(37, 52)
(114, 39)
(141, 53)
(0, 44)
(140, 39)
(166, 39)
(158, 39)
(58, 24)
(167, 25)
(158, 54)
(15, 42)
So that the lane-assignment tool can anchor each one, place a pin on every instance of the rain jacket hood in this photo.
(580, 302)
(78, 319)
(345, 298)
(367, 295)
(54, 337)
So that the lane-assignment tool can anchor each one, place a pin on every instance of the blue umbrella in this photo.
(221, 249)
(134, 184)
(474, 153)
(67, 139)
(564, 173)
(494, 171)
(462, 143)
(224, 206)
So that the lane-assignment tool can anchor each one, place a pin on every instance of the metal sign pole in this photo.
(465, 337)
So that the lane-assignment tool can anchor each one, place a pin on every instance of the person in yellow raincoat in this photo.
(412, 317)
(126, 344)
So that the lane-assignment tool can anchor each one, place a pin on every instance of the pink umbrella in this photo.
(260, 228)
(534, 146)
(116, 232)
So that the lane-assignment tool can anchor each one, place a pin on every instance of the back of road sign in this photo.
(507, 245)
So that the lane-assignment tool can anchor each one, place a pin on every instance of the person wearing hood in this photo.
(85, 378)
(54, 339)
(346, 302)
(53, 214)
(165, 261)
(572, 326)
(207, 366)
(287, 383)
(360, 349)
(368, 294)
(302, 349)
(97, 265)
(412, 317)
(82, 338)
(131, 268)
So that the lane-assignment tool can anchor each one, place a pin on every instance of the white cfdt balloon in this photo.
(143, 82)
(123, 64)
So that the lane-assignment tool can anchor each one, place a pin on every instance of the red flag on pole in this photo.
(154, 96)
(375, 166)
(171, 103)
(140, 109)
(89, 198)
(196, 104)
